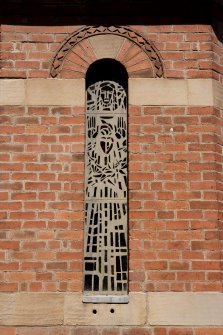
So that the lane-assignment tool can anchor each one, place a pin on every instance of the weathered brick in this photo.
(136, 331)
(7, 330)
(178, 331)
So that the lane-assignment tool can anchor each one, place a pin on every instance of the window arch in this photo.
(80, 49)
(106, 212)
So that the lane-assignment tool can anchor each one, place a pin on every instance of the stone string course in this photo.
(143, 310)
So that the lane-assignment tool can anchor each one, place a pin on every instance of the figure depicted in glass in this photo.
(105, 258)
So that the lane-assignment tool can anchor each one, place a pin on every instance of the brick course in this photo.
(110, 331)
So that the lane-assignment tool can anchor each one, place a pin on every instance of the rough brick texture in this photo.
(173, 198)
(42, 198)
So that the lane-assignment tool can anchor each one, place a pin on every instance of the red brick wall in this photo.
(42, 198)
(186, 50)
(173, 199)
(174, 233)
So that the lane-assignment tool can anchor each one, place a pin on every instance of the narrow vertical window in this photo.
(106, 211)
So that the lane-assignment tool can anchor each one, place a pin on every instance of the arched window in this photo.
(106, 212)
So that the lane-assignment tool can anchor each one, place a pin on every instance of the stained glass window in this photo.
(106, 208)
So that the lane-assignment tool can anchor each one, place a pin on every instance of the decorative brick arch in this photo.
(90, 43)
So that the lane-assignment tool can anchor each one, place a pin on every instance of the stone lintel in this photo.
(200, 92)
(12, 91)
(31, 309)
(173, 92)
(58, 92)
(185, 309)
(218, 94)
